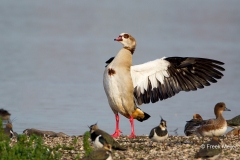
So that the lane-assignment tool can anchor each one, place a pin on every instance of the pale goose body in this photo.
(120, 96)
(126, 85)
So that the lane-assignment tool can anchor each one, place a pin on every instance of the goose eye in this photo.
(125, 35)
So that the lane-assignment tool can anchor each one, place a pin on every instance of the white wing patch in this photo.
(163, 78)
(144, 85)
(152, 71)
(160, 77)
(153, 81)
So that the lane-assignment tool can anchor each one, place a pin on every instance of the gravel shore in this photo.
(176, 147)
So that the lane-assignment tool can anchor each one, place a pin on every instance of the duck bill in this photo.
(226, 109)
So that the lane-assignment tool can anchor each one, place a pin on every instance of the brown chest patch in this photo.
(111, 72)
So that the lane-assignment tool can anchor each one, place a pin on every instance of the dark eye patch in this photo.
(126, 36)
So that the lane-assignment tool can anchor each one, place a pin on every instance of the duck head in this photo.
(197, 116)
(219, 108)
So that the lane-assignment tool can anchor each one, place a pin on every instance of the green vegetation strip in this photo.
(86, 144)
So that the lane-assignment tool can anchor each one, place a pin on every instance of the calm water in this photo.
(52, 58)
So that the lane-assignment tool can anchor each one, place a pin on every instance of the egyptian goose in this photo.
(127, 86)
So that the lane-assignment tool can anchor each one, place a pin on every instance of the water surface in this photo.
(52, 56)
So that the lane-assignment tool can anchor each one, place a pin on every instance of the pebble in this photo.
(139, 149)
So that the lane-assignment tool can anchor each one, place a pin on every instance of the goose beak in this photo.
(119, 38)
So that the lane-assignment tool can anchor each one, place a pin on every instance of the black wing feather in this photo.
(109, 61)
(186, 74)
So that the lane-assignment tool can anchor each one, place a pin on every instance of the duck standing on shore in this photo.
(127, 86)
(210, 150)
(7, 123)
(191, 124)
(235, 123)
(213, 127)
(4, 114)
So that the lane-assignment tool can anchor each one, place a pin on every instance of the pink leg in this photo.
(132, 128)
(117, 131)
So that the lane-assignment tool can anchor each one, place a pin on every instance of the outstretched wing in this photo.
(165, 77)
